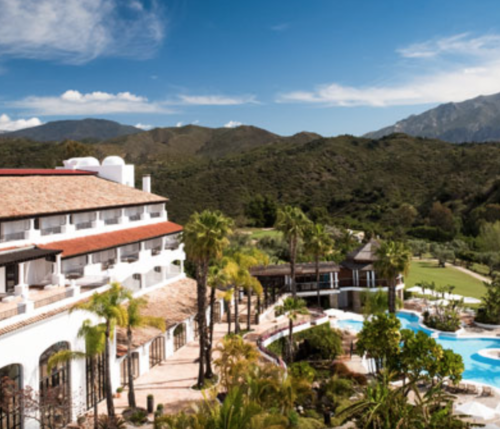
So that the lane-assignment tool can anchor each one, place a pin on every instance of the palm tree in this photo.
(205, 237)
(292, 222)
(292, 307)
(108, 306)
(135, 319)
(318, 243)
(95, 340)
(217, 278)
(228, 298)
(393, 259)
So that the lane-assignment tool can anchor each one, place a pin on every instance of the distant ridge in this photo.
(83, 129)
(475, 120)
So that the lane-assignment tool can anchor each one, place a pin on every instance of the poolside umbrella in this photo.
(476, 409)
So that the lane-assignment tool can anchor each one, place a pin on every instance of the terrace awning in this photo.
(25, 255)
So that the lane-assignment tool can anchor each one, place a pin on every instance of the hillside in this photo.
(84, 129)
(475, 120)
(354, 181)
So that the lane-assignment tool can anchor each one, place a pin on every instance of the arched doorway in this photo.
(157, 351)
(10, 383)
(180, 337)
(55, 389)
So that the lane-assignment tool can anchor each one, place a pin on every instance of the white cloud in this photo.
(232, 124)
(466, 67)
(215, 100)
(178, 124)
(77, 31)
(8, 124)
(144, 127)
(94, 103)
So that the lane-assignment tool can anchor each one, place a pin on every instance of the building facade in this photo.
(66, 234)
(341, 285)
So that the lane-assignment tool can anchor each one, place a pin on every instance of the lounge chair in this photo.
(487, 391)
(472, 389)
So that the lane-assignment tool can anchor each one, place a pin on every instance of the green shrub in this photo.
(302, 370)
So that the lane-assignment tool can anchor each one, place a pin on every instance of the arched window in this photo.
(55, 395)
(10, 410)
(157, 351)
(179, 336)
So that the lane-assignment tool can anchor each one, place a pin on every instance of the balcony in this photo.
(312, 286)
(83, 225)
(112, 221)
(51, 230)
(172, 242)
(134, 217)
(130, 258)
(154, 215)
(12, 236)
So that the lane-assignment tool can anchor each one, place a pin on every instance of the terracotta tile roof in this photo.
(108, 240)
(25, 196)
(44, 172)
(174, 303)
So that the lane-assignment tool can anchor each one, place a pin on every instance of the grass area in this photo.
(258, 233)
(428, 271)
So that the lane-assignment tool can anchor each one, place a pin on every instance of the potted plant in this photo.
(151, 403)
(119, 392)
(159, 409)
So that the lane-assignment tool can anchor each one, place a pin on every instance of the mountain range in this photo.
(82, 129)
(475, 120)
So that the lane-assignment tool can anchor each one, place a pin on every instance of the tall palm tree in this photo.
(292, 307)
(228, 299)
(108, 306)
(252, 286)
(318, 244)
(217, 278)
(292, 222)
(205, 237)
(393, 259)
(135, 319)
(95, 340)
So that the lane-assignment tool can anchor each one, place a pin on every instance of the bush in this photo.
(320, 342)
(449, 321)
(430, 233)
(106, 422)
(136, 416)
(302, 370)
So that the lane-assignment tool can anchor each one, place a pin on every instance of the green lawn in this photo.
(465, 284)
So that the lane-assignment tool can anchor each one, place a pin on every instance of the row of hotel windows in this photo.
(128, 253)
(54, 386)
(49, 225)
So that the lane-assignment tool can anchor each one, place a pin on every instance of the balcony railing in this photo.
(134, 257)
(172, 243)
(51, 299)
(312, 286)
(154, 215)
(51, 230)
(83, 225)
(12, 236)
(9, 313)
(135, 217)
(112, 221)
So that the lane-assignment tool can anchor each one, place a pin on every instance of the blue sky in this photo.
(328, 66)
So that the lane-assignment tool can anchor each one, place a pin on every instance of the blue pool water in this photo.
(477, 368)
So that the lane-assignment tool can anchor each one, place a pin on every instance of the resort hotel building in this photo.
(341, 285)
(65, 234)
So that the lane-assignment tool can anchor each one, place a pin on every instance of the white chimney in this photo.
(146, 183)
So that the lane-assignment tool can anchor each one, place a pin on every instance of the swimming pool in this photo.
(477, 368)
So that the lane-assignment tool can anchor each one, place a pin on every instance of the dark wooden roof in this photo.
(300, 269)
(24, 255)
(365, 253)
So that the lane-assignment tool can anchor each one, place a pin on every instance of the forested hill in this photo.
(353, 181)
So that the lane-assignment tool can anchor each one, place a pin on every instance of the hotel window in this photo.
(99, 378)
(124, 368)
(16, 230)
(54, 389)
(155, 210)
(83, 220)
(154, 245)
(52, 224)
(111, 217)
(74, 266)
(10, 380)
(134, 213)
(130, 253)
(106, 257)
(157, 351)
